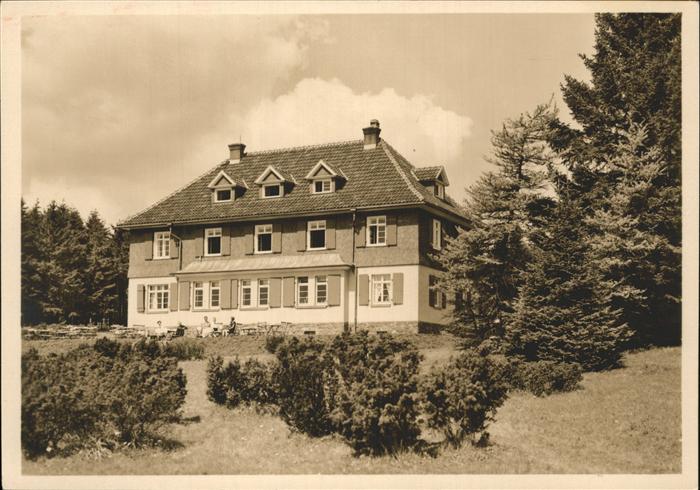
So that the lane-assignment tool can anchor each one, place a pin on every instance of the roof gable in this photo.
(321, 171)
(432, 174)
(221, 180)
(270, 176)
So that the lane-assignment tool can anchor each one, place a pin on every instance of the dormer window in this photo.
(440, 190)
(272, 190)
(222, 195)
(322, 186)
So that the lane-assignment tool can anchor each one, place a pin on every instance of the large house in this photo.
(328, 237)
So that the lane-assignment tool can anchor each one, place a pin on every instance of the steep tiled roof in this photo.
(373, 178)
(427, 173)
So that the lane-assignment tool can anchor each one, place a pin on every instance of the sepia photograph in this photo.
(310, 242)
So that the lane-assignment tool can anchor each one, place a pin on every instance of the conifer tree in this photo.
(32, 257)
(505, 208)
(563, 310)
(101, 270)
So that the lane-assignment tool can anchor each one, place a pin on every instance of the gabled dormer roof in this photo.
(323, 171)
(270, 176)
(222, 180)
(432, 174)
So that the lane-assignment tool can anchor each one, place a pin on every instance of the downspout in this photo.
(354, 269)
(179, 248)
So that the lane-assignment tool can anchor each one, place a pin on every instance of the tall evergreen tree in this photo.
(505, 208)
(32, 258)
(120, 252)
(562, 312)
(101, 272)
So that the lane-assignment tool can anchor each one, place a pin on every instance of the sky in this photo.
(120, 111)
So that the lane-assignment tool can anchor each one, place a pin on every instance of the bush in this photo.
(545, 377)
(250, 382)
(373, 392)
(272, 342)
(110, 392)
(462, 397)
(216, 381)
(184, 349)
(300, 375)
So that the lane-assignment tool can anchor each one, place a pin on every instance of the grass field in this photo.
(623, 421)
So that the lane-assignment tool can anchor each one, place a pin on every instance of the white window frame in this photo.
(263, 284)
(214, 286)
(316, 226)
(323, 182)
(265, 186)
(378, 222)
(158, 293)
(212, 233)
(437, 234)
(440, 190)
(216, 194)
(321, 281)
(198, 286)
(263, 230)
(246, 285)
(161, 245)
(379, 280)
(299, 284)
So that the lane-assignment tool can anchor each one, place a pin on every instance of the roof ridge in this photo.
(193, 181)
(303, 147)
(388, 150)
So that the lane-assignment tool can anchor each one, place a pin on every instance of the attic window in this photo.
(272, 190)
(222, 195)
(440, 190)
(322, 186)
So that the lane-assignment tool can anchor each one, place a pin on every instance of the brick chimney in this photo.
(237, 151)
(371, 134)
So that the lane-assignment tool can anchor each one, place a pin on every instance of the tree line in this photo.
(73, 271)
(574, 248)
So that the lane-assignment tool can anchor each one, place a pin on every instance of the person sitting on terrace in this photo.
(204, 326)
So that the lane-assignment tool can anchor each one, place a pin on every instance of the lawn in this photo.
(623, 421)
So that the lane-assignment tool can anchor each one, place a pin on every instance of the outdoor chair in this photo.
(263, 328)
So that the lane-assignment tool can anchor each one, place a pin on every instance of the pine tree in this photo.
(562, 312)
(631, 246)
(505, 208)
(100, 277)
(32, 256)
(120, 252)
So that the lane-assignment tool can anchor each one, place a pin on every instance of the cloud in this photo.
(318, 111)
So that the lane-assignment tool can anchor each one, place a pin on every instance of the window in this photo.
(214, 294)
(323, 186)
(212, 241)
(317, 235)
(246, 292)
(436, 298)
(440, 190)
(222, 195)
(263, 292)
(274, 190)
(302, 290)
(437, 234)
(321, 290)
(381, 289)
(198, 292)
(263, 239)
(376, 230)
(161, 245)
(158, 297)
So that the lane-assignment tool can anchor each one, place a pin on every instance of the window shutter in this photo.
(148, 253)
(234, 293)
(334, 290)
(330, 234)
(226, 294)
(275, 292)
(199, 244)
(458, 300)
(444, 300)
(301, 236)
(276, 237)
(361, 233)
(397, 288)
(172, 296)
(288, 290)
(364, 290)
(226, 240)
(173, 247)
(391, 229)
(140, 293)
(184, 295)
(432, 292)
(249, 239)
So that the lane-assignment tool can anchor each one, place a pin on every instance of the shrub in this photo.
(545, 377)
(250, 382)
(257, 383)
(272, 342)
(373, 392)
(184, 349)
(300, 374)
(216, 381)
(108, 391)
(462, 397)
